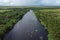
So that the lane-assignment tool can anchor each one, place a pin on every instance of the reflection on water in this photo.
(28, 28)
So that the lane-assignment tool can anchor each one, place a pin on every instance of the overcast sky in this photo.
(29, 2)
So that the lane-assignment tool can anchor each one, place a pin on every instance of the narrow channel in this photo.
(28, 28)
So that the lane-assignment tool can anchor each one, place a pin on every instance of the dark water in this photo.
(28, 28)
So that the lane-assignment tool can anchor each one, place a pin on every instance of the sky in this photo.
(29, 2)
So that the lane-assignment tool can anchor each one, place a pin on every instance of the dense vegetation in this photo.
(8, 17)
(50, 19)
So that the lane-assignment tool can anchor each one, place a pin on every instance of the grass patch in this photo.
(50, 18)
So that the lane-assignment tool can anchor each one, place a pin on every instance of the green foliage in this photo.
(50, 18)
(9, 18)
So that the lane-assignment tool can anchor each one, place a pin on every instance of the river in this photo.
(28, 28)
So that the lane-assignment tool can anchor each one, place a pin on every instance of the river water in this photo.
(28, 28)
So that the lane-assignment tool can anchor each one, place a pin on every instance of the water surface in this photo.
(28, 28)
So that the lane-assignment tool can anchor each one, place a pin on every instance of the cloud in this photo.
(5, 1)
(28, 2)
(58, 1)
(50, 2)
(23, 2)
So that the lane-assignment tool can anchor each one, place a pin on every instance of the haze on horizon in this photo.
(29, 2)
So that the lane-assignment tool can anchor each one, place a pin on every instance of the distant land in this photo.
(29, 6)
